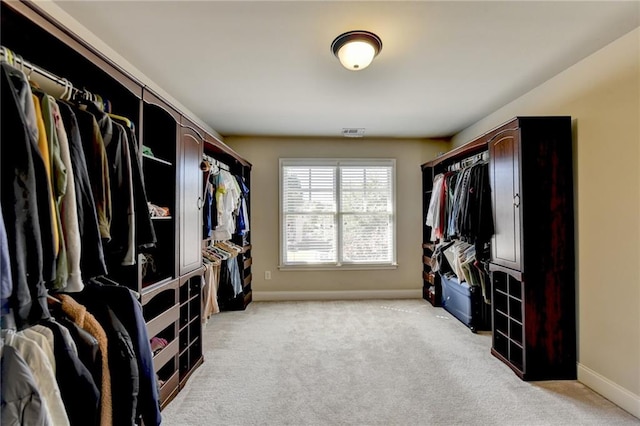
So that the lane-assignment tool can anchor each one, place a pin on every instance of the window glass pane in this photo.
(352, 177)
(305, 178)
(367, 238)
(310, 238)
(310, 191)
(307, 202)
(353, 201)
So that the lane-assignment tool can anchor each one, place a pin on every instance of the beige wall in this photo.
(264, 153)
(602, 94)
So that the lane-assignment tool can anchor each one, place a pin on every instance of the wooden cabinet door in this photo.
(190, 184)
(504, 174)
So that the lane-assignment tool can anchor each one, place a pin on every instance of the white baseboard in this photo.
(612, 391)
(336, 295)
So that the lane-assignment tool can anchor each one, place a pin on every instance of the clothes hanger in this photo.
(66, 89)
(52, 300)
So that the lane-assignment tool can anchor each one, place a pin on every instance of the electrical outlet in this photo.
(267, 275)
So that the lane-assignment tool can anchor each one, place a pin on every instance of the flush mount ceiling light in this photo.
(356, 49)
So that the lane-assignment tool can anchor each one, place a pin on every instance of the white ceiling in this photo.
(265, 67)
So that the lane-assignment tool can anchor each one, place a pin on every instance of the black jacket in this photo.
(25, 200)
(92, 257)
(129, 311)
(79, 392)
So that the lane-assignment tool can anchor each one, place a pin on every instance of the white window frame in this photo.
(336, 162)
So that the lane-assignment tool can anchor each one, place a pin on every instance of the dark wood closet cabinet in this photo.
(168, 274)
(532, 262)
(532, 250)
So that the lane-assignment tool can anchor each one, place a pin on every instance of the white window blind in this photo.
(337, 212)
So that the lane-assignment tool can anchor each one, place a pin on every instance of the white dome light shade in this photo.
(356, 55)
(356, 49)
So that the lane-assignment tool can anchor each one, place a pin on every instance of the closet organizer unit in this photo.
(531, 265)
(167, 274)
(241, 169)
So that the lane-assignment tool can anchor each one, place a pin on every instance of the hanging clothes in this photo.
(97, 168)
(79, 315)
(80, 395)
(210, 209)
(43, 374)
(68, 205)
(26, 201)
(242, 227)
(227, 201)
(128, 311)
(210, 280)
(92, 261)
(144, 231)
(22, 402)
(58, 184)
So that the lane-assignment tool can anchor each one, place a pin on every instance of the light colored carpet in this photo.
(375, 362)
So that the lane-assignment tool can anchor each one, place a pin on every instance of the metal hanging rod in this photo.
(466, 162)
(215, 162)
(52, 84)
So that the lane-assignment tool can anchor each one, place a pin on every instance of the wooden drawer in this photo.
(163, 320)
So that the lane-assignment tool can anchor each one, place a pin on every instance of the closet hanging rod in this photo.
(52, 84)
(213, 161)
(476, 158)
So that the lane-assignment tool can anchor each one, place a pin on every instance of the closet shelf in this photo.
(247, 280)
(161, 217)
(169, 389)
(150, 291)
(165, 355)
(163, 320)
(157, 160)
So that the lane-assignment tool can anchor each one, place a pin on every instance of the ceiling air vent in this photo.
(353, 132)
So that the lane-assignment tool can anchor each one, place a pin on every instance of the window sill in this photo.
(289, 268)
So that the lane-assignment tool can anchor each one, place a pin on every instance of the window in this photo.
(337, 213)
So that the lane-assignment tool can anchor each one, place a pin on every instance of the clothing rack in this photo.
(55, 86)
(215, 162)
(466, 162)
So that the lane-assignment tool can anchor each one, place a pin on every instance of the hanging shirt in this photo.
(68, 206)
(59, 186)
